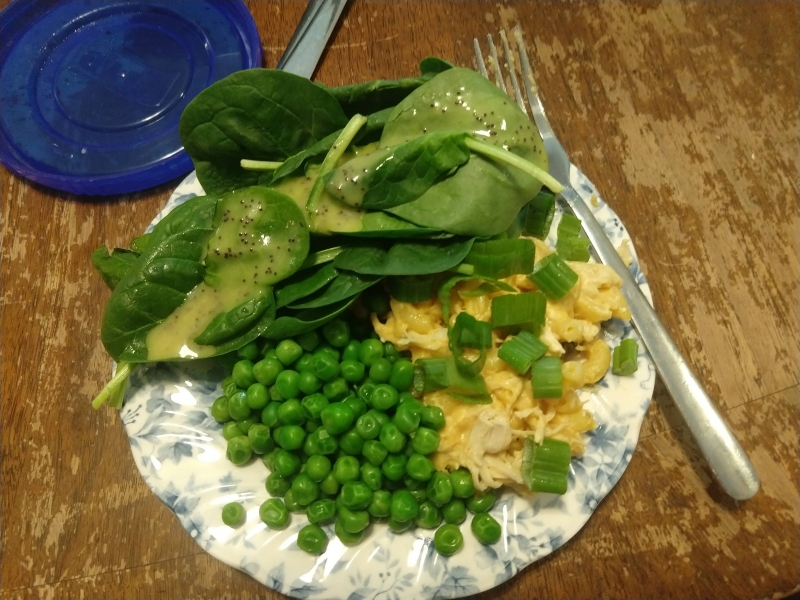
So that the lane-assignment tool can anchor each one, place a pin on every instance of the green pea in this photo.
(329, 485)
(367, 427)
(425, 441)
(405, 419)
(305, 489)
(248, 351)
(448, 540)
(380, 370)
(269, 351)
(356, 495)
(313, 405)
(347, 538)
(372, 476)
(269, 459)
(292, 504)
(238, 407)
(463, 486)
(404, 506)
(353, 521)
(384, 397)
(392, 438)
(318, 467)
(288, 351)
(365, 391)
(326, 444)
(411, 403)
(374, 452)
(352, 371)
(433, 417)
(369, 352)
(394, 467)
(429, 516)
(351, 442)
(381, 504)
(358, 406)
(277, 485)
(219, 410)
(308, 382)
(402, 375)
(231, 430)
(303, 364)
(440, 488)
(336, 389)
(286, 463)
(266, 371)
(481, 502)
(239, 450)
(486, 528)
(336, 333)
(350, 351)
(399, 526)
(419, 495)
(312, 539)
(260, 440)
(412, 484)
(274, 394)
(257, 396)
(345, 469)
(454, 512)
(289, 437)
(291, 413)
(287, 384)
(228, 386)
(243, 374)
(309, 340)
(325, 366)
(337, 418)
(274, 513)
(326, 348)
(311, 426)
(321, 511)
(380, 416)
(420, 467)
(233, 514)
(269, 416)
(244, 425)
(390, 353)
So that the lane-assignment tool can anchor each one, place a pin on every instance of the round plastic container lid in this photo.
(92, 92)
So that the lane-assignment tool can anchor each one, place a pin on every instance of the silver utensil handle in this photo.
(726, 457)
(308, 41)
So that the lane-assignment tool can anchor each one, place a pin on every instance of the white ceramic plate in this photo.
(180, 452)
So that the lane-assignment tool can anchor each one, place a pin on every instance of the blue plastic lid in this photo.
(92, 92)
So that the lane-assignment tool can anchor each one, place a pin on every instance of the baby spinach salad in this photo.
(327, 202)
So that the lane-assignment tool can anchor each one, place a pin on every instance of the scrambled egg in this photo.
(488, 438)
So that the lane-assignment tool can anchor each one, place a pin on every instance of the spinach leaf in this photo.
(158, 282)
(483, 197)
(433, 65)
(292, 324)
(371, 96)
(346, 285)
(258, 114)
(383, 225)
(113, 266)
(139, 244)
(404, 258)
(304, 283)
(236, 321)
(395, 176)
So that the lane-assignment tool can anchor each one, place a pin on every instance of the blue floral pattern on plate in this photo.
(180, 452)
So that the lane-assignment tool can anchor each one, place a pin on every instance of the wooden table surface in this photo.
(684, 114)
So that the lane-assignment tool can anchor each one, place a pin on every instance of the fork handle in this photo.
(726, 457)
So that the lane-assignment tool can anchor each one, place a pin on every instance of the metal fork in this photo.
(726, 457)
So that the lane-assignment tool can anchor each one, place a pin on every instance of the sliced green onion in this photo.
(447, 287)
(441, 373)
(540, 214)
(502, 155)
(412, 288)
(553, 277)
(625, 358)
(468, 332)
(501, 258)
(259, 165)
(514, 312)
(115, 388)
(569, 226)
(521, 350)
(545, 466)
(546, 378)
(573, 248)
(465, 269)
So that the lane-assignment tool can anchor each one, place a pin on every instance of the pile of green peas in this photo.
(344, 440)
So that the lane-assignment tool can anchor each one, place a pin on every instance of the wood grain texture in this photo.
(684, 114)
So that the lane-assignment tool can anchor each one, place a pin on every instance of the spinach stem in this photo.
(465, 269)
(115, 388)
(512, 159)
(259, 165)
